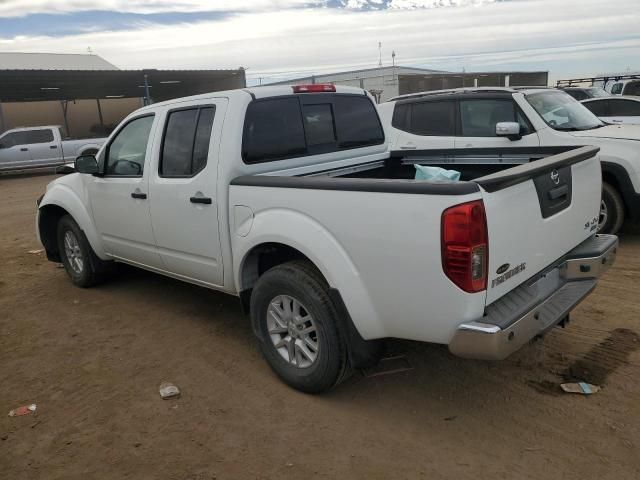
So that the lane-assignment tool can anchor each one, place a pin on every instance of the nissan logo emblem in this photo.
(555, 176)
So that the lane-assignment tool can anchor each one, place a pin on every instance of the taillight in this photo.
(314, 88)
(465, 246)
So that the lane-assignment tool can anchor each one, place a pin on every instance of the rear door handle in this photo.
(204, 200)
(53, 147)
(24, 149)
(139, 195)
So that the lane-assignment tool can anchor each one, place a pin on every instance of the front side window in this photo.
(562, 112)
(126, 153)
(185, 145)
(625, 108)
(12, 139)
(38, 136)
(478, 118)
(616, 89)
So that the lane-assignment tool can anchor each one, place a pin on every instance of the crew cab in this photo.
(39, 147)
(464, 127)
(288, 198)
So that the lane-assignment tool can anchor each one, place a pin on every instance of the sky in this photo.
(280, 39)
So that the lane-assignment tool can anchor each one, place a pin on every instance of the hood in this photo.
(620, 132)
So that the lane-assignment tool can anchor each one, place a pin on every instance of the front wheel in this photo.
(611, 210)
(298, 323)
(78, 258)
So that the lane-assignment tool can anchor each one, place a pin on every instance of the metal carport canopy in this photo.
(42, 85)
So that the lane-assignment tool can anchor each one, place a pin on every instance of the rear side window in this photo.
(357, 122)
(436, 118)
(616, 89)
(287, 127)
(599, 108)
(185, 144)
(273, 130)
(38, 136)
(624, 108)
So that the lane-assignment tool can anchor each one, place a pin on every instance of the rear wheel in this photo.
(81, 263)
(611, 210)
(298, 323)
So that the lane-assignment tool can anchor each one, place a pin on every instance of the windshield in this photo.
(562, 112)
(597, 92)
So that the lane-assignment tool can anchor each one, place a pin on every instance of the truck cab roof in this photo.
(470, 91)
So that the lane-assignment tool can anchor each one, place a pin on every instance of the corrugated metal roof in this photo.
(357, 74)
(52, 61)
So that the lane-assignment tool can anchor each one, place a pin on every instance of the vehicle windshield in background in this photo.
(562, 111)
(597, 92)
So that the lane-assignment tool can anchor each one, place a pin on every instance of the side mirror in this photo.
(86, 164)
(511, 130)
(65, 169)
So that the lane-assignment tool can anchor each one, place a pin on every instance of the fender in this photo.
(64, 193)
(89, 146)
(306, 235)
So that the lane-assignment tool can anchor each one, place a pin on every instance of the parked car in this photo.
(616, 109)
(287, 198)
(37, 147)
(628, 86)
(583, 93)
(465, 126)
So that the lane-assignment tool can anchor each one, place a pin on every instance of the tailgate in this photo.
(538, 212)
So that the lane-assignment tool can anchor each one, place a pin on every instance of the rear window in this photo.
(308, 124)
(357, 122)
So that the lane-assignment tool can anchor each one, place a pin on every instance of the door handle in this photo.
(139, 195)
(24, 149)
(203, 200)
(559, 192)
(53, 147)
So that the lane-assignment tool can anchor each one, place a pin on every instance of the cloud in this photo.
(573, 37)
(15, 8)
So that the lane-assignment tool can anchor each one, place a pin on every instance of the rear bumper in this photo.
(535, 307)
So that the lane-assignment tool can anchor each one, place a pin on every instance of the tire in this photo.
(318, 324)
(611, 210)
(80, 261)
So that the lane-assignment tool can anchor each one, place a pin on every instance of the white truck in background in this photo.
(482, 130)
(287, 197)
(39, 147)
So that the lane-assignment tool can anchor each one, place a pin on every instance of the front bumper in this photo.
(533, 308)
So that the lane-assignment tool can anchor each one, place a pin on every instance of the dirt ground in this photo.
(92, 361)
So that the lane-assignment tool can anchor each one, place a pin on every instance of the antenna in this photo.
(380, 54)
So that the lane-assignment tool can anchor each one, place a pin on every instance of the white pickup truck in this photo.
(287, 198)
(494, 127)
(39, 147)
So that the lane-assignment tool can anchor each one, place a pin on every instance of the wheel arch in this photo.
(285, 235)
(57, 202)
